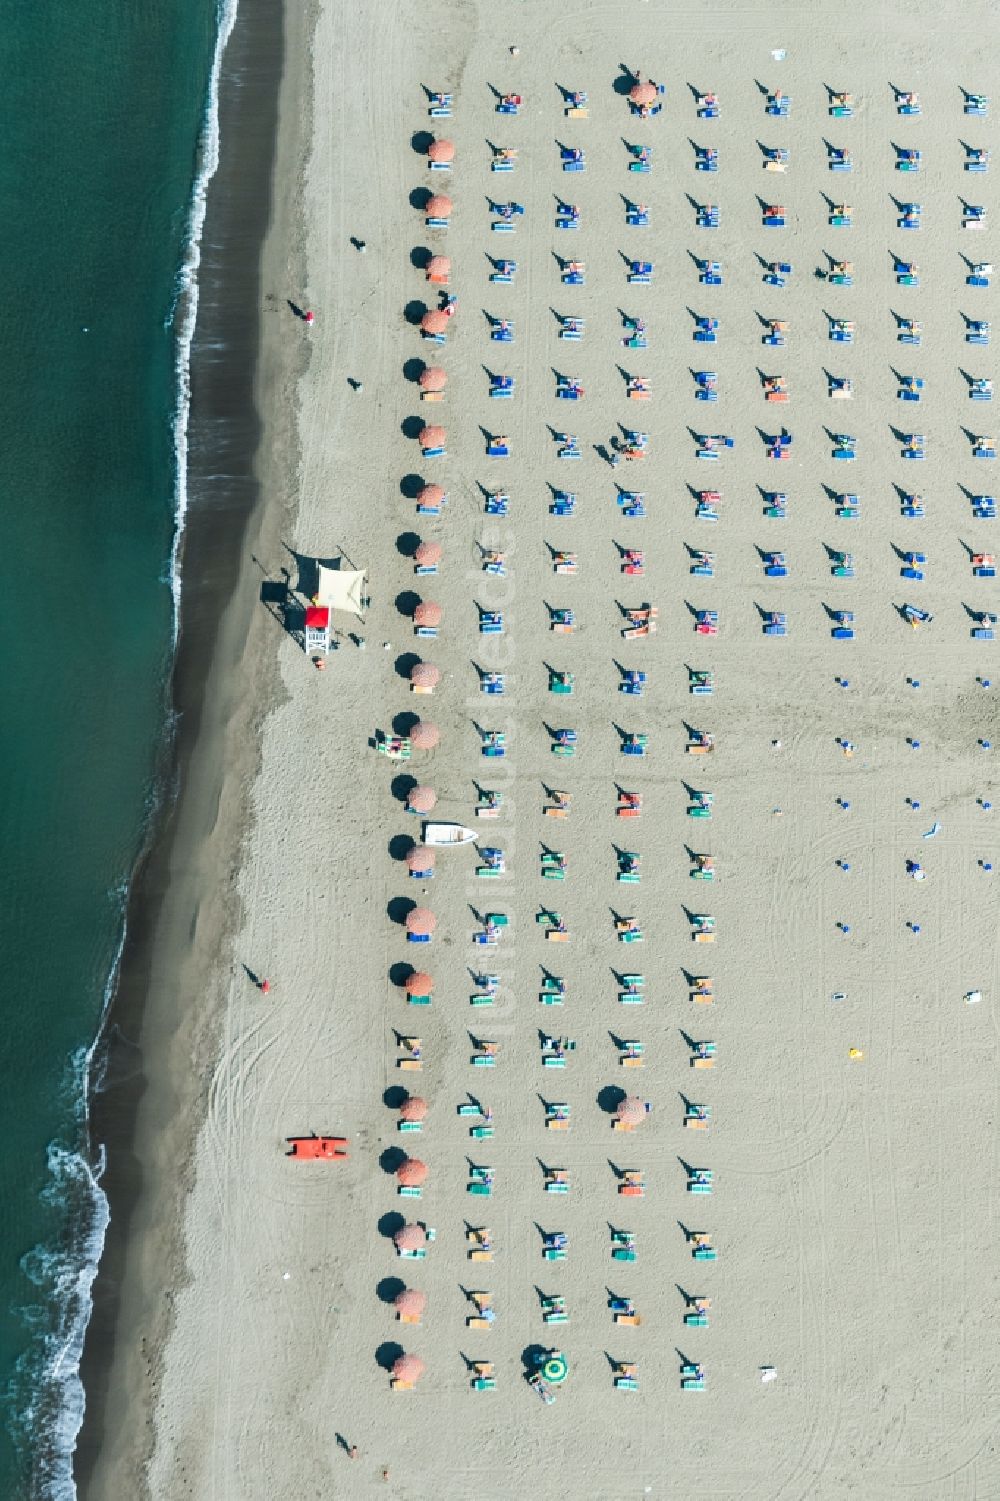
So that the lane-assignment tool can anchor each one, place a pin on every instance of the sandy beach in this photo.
(852, 1141)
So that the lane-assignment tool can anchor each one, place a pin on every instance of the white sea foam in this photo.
(183, 313)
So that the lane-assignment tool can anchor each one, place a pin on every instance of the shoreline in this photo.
(183, 904)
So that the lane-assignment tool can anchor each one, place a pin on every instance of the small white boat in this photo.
(448, 833)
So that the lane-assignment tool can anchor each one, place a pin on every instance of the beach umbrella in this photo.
(631, 1109)
(413, 1109)
(425, 675)
(438, 265)
(424, 736)
(422, 800)
(410, 1238)
(411, 1302)
(439, 206)
(642, 93)
(555, 1368)
(419, 983)
(412, 1172)
(434, 321)
(433, 378)
(441, 151)
(428, 553)
(419, 860)
(432, 437)
(427, 613)
(408, 1368)
(431, 495)
(421, 920)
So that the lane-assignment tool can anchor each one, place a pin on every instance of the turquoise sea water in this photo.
(104, 113)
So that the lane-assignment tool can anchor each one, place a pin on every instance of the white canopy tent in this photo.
(342, 589)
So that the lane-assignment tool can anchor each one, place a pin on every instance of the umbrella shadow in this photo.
(388, 1353)
(610, 1097)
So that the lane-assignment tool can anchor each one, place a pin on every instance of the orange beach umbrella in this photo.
(410, 1238)
(441, 151)
(642, 93)
(632, 1110)
(433, 436)
(435, 321)
(421, 920)
(411, 1173)
(422, 800)
(428, 553)
(433, 378)
(413, 1109)
(419, 859)
(427, 613)
(439, 206)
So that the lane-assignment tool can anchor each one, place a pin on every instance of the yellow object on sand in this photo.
(855, 1053)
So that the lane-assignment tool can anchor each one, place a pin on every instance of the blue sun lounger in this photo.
(440, 106)
(502, 387)
(636, 218)
(977, 159)
(497, 505)
(778, 105)
(910, 388)
(707, 216)
(984, 507)
(773, 221)
(710, 273)
(573, 276)
(977, 332)
(504, 273)
(433, 221)
(981, 633)
(844, 454)
(977, 105)
(642, 159)
(981, 390)
(984, 451)
(572, 328)
(640, 273)
(563, 504)
(840, 221)
(776, 624)
(572, 159)
(706, 330)
(706, 159)
(497, 450)
(502, 332)
(841, 331)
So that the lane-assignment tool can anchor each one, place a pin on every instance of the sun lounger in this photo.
(778, 105)
(707, 216)
(981, 633)
(640, 273)
(440, 106)
(977, 105)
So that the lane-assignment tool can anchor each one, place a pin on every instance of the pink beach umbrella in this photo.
(420, 861)
(408, 1368)
(410, 1238)
(441, 151)
(419, 983)
(433, 378)
(428, 554)
(438, 268)
(428, 612)
(439, 206)
(411, 1173)
(432, 496)
(422, 800)
(432, 436)
(425, 675)
(421, 921)
(410, 1303)
(424, 735)
(631, 1110)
